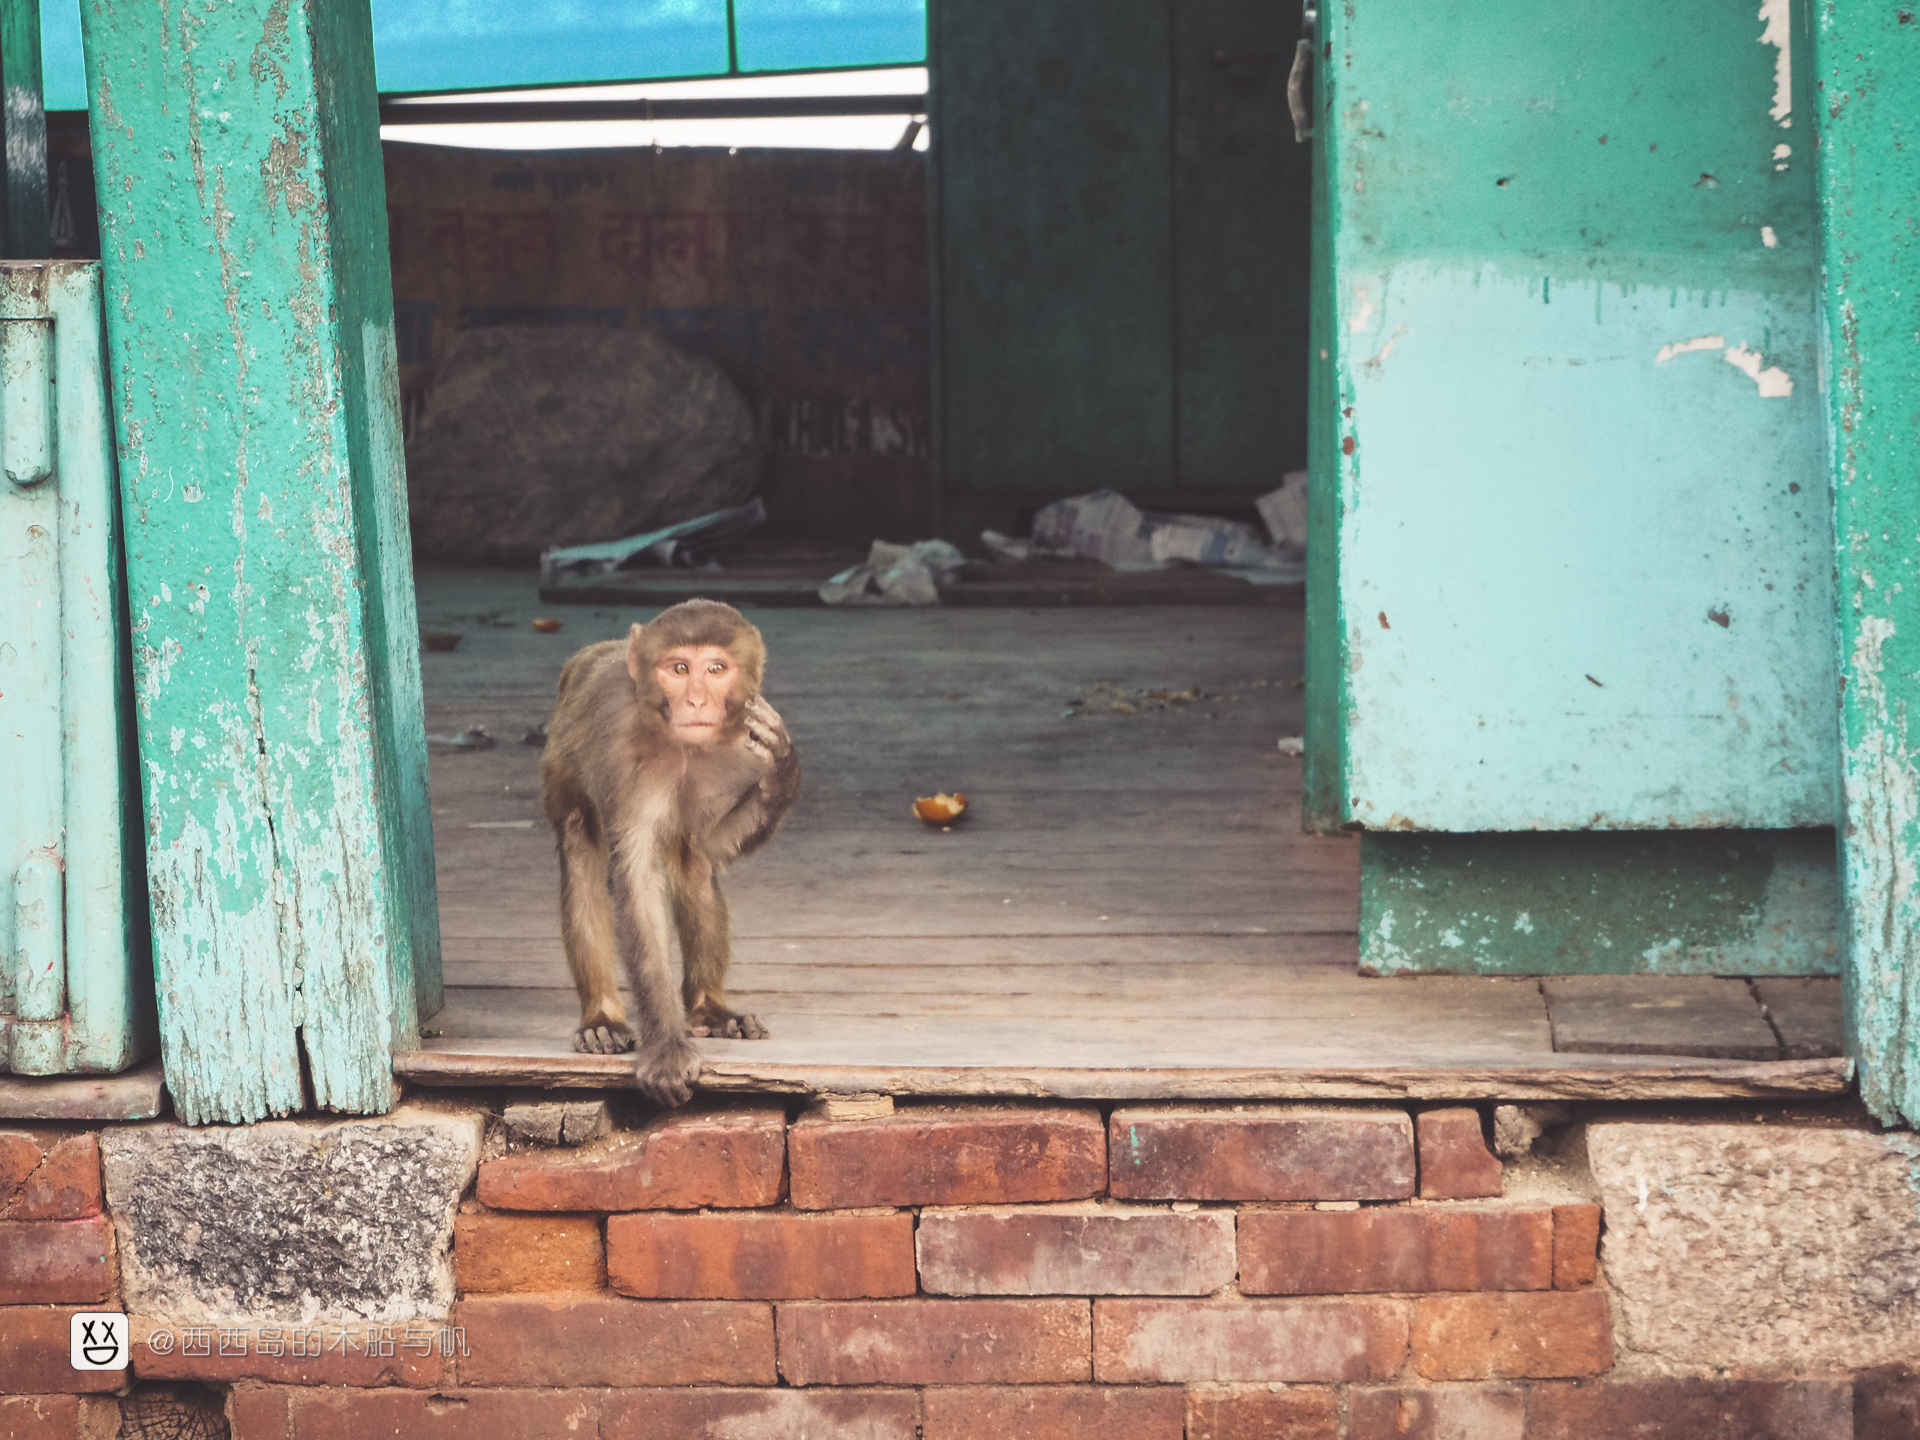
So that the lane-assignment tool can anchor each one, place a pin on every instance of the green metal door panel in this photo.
(1869, 129)
(1582, 498)
(1056, 249)
(251, 354)
(76, 988)
(1241, 244)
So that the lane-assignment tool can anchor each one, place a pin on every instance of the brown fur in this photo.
(645, 823)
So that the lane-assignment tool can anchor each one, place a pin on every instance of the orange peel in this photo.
(940, 809)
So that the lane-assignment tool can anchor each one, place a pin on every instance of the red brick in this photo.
(1886, 1405)
(445, 1415)
(39, 1417)
(1455, 1163)
(1078, 1251)
(1490, 1412)
(33, 1354)
(258, 1414)
(760, 1415)
(680, 1161)
(319, 1354)
(1261, 1152)
(950, 1155)
(1055, 1412)
(1722, 1409)
(1169, 1341)
(65, 1186)
(20, 1152)
(934, 1342)
(1344, 1252)
(1262, 1412)
(53, 1262)
(762, 1255)
(587, 1340)
(1540, 1336)
(1576, 1246)
(502, 1254)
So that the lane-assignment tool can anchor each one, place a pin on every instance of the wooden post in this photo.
(253, 375)
(23, 157)
(1868, 119)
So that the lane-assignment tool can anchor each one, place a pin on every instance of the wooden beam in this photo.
(1867, 60)
(253, 373)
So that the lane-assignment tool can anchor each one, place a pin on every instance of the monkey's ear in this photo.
(636, 642)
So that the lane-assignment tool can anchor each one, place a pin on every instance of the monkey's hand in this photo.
(666, 1070)
(767, 739)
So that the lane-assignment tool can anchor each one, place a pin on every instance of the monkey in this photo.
(663, 764)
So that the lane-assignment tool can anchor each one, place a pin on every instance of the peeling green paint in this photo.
(249, 321)
(1576, 472)
(1691, 902)
(1868, 122)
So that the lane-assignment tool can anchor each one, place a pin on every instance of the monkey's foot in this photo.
(603, 1039)
(665, 1073)
(725, 1025)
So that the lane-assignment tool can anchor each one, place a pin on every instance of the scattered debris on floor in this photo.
(1293, 745)
(684, 545)
(546, 625)
(1119, 700)
(536, 736)
(474, 737)
(895, 575)
(941, 809)
(440, 640)
(1105, 526)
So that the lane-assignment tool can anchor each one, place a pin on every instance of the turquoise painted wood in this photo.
(1635, 902)
(1582, 497)
(1868, 119)
(252, 365)
(76, 985)
(23, 159)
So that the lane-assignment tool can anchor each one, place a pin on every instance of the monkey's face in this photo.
(698, 686)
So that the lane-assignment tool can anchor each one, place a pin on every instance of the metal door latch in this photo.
(1299, 76)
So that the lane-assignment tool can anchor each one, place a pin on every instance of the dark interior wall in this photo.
(1122, 253)
(803, 273)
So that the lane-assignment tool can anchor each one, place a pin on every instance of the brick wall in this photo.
(1148, 1273)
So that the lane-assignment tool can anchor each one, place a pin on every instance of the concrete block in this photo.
(1792, 1247)
(291, 1219)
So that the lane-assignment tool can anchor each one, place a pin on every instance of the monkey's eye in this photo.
(679, 667)
(718, 667)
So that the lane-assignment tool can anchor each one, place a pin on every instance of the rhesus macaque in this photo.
(662, 765)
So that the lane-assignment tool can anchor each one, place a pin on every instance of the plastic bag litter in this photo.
(1104, 525)
(1284, 511)
(681, 544)
(895, 575)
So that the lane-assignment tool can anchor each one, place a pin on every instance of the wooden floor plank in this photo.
(1129, 909)
(1658, 1014)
